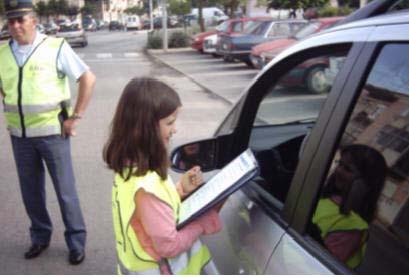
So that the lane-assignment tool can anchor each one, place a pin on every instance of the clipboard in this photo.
(232, 177)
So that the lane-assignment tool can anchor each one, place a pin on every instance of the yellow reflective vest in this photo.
(132, 258)
(35, 92)
(328, 218)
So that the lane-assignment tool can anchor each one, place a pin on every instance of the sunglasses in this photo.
(19, 20)
(345, 166)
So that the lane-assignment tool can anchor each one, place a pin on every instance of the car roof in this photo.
(397, 17)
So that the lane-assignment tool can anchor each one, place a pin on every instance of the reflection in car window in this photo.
(299, 94)
(378, 243)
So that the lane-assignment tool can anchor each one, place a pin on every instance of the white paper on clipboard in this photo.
(224, 180)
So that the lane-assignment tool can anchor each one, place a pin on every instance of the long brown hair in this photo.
(135, 141)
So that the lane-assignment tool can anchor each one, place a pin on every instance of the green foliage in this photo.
(88, 9)
(1, 7)
(178, 39)
(154, 42)
(138, 10)
(296, 4)
(179, 7)
(329, 11)
(41, 8)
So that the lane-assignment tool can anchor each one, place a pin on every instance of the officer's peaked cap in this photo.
(17, 8)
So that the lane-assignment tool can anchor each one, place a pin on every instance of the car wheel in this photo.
(215, 55)
(85, 43)
(316, 80)
(249, 64)
(227, 58)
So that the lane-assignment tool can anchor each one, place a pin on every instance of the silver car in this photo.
(73, 34)
(272, 224)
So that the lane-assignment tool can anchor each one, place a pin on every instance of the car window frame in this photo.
(328, 145)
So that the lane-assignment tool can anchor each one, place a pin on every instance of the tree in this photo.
(295, 4)
(72, 11)
(88, 9)
(41, 8)
(135, 10)
(1, 7)
(179, 7)
(230, 6)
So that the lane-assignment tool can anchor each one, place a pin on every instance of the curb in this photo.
(151, 53)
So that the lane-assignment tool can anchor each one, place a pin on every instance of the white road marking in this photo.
(104, 55)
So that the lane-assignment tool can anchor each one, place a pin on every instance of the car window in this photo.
(362, 214)
(292, 104)
(237, 27)
(260, 29)
(250, 26)
(307, 30)
(280, 29)
(223, 27)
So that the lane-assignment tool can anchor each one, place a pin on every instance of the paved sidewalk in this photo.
(226, 81)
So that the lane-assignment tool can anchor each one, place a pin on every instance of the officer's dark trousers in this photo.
(30, 155)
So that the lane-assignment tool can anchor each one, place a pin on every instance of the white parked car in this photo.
(133, 22)
(209, 44)
(73, 34)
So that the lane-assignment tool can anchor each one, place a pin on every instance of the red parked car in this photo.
(236, 25)
(276, 46)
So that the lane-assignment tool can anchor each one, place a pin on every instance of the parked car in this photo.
(4, 33)
(73, 34)
(238, 46)
(268, 225)
(40, 28)
(157, 22)
(50, 28)
(133, 22)
(211, 15)
(115, 25)
(89, 24)
(276, 46)
(237, 25)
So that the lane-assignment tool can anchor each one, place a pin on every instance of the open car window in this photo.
(286, 114)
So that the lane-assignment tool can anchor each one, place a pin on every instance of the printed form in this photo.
(218, 184)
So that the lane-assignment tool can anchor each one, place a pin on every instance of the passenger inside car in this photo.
(348, 203)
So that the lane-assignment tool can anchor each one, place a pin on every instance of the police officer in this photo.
(34, 73)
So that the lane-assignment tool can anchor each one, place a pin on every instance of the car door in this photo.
(271, 120)
(372, 113)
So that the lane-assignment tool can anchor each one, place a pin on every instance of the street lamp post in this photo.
(150, 15)
(165, 25)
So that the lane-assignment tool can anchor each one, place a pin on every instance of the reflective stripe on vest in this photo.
(329, 220)
(132, 258)
(34, 92)
(41, 108)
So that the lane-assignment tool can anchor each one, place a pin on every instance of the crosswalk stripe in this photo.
(104, 55)
(131, 55)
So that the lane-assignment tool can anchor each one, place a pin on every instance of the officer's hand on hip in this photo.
(69, 126)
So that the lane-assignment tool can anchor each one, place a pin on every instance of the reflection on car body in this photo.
(296, 137)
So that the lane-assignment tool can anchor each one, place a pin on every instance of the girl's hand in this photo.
(192, 179)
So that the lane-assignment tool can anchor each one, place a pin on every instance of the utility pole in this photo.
(150, 14)
(165, 25)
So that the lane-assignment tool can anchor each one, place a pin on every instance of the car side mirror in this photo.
(202, 153)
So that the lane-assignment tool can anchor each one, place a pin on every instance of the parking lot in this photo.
(225, 80)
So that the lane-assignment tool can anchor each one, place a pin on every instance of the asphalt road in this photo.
(115, 58)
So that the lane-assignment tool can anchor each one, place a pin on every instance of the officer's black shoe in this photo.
(35, 250)
(76, 257)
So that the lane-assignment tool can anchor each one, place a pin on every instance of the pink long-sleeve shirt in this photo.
(155, 227)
